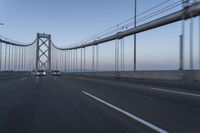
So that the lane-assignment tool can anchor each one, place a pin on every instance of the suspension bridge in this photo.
(85, 98)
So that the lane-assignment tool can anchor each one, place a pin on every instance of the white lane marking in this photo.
(23, 78)
(177, 92)
(164, 90)
(128, 114)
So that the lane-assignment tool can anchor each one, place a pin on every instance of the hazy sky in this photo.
(69, 21)
(66, 20)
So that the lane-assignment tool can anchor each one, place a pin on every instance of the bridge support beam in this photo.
(181, 53)
(43, 52)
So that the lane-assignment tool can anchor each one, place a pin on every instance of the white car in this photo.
(41, 73)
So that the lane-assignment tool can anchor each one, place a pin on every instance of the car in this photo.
(56, 73)
(41, 73)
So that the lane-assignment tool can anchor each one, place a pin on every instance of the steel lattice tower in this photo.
(43, 52)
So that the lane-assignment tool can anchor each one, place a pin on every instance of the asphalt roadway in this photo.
(74, 104)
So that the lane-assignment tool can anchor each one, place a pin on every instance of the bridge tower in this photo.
(43, 52)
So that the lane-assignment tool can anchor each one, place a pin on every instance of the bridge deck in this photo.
(85, 105)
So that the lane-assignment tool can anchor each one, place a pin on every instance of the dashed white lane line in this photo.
(127, 114)
(23, 78)
(176, 92)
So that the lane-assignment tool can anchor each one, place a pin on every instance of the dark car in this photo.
(56, 73)
(41, 73)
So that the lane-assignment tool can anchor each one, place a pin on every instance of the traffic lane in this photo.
(168, 94)
(17, 101)
(148, 83)
(66, 110)
(13, 89)
(166, 113)
(5, 78)
(50, 106)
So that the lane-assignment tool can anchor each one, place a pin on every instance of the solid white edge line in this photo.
(177, 92)
(128, 114)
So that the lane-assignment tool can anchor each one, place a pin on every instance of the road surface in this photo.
(74, 104)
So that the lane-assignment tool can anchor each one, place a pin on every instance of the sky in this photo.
(69, 21)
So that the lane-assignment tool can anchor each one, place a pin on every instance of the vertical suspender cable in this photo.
(12, 58)
(118, 59)
(181, 52)
(97, 58)
(135, 54)
(72, 56)
(93, 50)
(84, 59)
(81, 59)
(121, 54)
(22, 58)
(62, 61)
(25, 58)
(21, 55)
(76, 61)
(65, 62)
(19, 58)
(69, 57)
(191, 43)
(0, 54)
(29, 59)
(16, 55)
(182, 37)
(199, 41)
(56, 54)
(71, 61)
(68, 60)
(115, 56)
(22, 63)
(6, 57)
(17, 61)
(60, 65)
